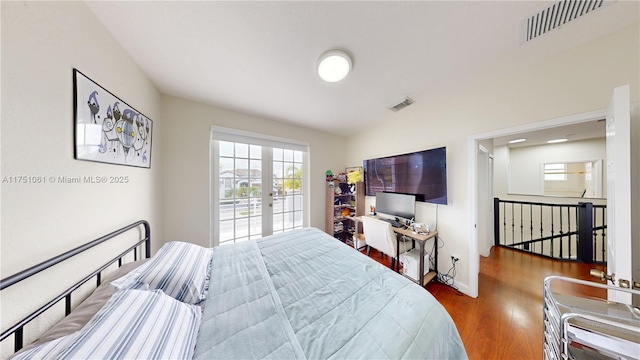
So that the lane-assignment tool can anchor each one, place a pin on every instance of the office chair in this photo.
(379, 235)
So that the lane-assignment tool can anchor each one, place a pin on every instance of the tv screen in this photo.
(422, 173)
(400, 205)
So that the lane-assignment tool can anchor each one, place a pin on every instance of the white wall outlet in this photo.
(454, 204)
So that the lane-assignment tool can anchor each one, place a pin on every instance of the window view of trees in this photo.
(244, 191)
(293, 179)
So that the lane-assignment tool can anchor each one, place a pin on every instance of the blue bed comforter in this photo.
(305, 295)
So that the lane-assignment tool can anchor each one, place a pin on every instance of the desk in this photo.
(422, 240)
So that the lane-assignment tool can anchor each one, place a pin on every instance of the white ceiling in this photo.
(260, 57)
(574, 132)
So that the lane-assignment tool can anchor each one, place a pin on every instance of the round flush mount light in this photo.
(334, 65)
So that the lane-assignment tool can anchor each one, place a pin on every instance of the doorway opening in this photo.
(479, 200)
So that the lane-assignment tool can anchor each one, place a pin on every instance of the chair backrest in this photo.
(379, 235)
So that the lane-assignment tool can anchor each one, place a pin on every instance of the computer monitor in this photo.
(394, 204)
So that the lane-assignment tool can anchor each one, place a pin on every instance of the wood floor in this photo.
(505, 321)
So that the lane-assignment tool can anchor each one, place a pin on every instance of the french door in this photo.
(258, 185)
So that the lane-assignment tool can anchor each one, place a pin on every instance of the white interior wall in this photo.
(500, 171)
(550, 89)
(523, 164)
(41, 44)
(186, 194)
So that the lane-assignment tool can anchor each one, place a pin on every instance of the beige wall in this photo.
(576, 81)
(186, 190)
(41, 44)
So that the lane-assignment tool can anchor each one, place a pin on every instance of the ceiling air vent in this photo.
(558, 14)
(402, 105)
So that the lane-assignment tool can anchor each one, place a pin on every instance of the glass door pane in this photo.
(288, 177)
(240, 180)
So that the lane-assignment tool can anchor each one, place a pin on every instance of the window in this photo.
(555, 172)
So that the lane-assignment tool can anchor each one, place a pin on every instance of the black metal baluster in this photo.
(552, 232)
(496, 221)
(569, 228)
(504, 222)
(603, 233)
(602, 246)
(561, 233)
(541, 232)
(513, 226)
(594, 233)
(594, 236)
(526, 246)
(531, 225)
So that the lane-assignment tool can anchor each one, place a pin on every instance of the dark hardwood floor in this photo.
(505, 321)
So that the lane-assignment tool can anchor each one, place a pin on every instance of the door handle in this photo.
(603, 276)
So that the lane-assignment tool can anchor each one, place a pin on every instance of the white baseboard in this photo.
(464, 288)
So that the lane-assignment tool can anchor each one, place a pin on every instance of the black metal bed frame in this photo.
(18, 328)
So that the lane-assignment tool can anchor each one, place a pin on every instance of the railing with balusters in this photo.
(561, 231)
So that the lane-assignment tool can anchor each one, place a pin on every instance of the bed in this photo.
(296, 295)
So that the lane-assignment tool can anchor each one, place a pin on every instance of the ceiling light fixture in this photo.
(556, 141)
(334, 65)
(515, 141)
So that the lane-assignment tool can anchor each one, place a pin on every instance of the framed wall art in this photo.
(108, 129)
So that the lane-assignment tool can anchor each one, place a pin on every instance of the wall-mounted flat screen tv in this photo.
(422, 173)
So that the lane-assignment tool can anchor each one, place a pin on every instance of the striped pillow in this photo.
(133, 324)
(179, 269)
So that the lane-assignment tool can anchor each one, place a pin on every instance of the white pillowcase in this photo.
(179, 269)
(133, 324)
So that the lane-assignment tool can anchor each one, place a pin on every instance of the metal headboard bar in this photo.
(4, 283)
(18, 328)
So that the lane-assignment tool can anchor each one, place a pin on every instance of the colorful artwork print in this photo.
(107, 129)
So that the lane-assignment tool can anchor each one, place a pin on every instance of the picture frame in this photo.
(106, 128)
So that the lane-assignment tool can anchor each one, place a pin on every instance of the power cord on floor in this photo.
(448, 278)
